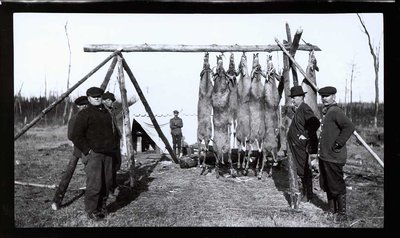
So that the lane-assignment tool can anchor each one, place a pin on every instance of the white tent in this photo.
(137, 112)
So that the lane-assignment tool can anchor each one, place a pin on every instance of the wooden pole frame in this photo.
(64, 95)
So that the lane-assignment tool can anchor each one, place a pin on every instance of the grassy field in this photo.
(168, 196)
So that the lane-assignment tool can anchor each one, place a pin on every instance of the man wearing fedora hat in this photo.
(336, 129)
(176, 123)
(301, 136)
(94, 134)
(81, 103)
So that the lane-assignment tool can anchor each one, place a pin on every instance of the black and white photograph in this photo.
(254, 120)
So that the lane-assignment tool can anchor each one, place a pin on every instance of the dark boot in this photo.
(341, 215)
(332, 204)
(295, 200)
(307, 189)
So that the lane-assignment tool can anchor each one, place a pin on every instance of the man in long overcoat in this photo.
(302, 139)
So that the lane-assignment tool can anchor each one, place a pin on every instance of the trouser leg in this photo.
(94, 181)
(332, 205)
(179, 144)
(107, 183)
(341, 215)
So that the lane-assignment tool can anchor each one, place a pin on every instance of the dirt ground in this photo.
(166, 195)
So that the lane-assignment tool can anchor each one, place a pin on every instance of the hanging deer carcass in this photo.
(204, 110)
(233, 98)
(311, 94)
(271, 107)
(257, 120)
(243, 111)
(221, 116)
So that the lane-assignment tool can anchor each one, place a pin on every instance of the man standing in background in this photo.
(108, 101)
(336, 129)
(176, 124)
(81, 103)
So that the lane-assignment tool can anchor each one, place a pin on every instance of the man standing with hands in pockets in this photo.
(94, 134)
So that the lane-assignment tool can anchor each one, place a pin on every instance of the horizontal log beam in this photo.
(191, 48)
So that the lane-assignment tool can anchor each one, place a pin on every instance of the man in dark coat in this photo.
(108, 101)
(81, 103)
(336, 129)
(176, 124)
(301, 139)
(94, 134)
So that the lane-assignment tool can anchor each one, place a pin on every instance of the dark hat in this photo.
(296, 91)
(108, 95)
(326, 91)
(94, 92)
(176, 112)
(82, 100)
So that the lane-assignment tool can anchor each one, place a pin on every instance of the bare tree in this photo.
(352, 77)
(17, 103)
(45, 98)
(69, 72)
(375, 56)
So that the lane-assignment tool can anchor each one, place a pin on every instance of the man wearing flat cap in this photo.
(81, 103)
(300, 137)
(336, 129)
(94, 134)
(176, 124)
(108, 101)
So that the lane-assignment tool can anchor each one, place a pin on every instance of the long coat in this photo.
(176, 124)
(304, 123)
(336, 127)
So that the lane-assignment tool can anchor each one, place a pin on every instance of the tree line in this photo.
(25, 109)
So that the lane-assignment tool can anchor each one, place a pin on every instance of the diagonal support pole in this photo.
(149, 111)
(64, 95)
(316, 89)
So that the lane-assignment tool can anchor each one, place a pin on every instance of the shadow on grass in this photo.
(280, 176)
(73, 199)
(126, 193)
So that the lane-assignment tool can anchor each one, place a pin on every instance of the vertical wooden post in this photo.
(287, 116)
(293, 49)
(126, 121)
(148, 110)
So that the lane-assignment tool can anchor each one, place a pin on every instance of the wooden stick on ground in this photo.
(35, 184)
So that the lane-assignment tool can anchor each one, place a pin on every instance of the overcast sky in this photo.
(171, 79)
